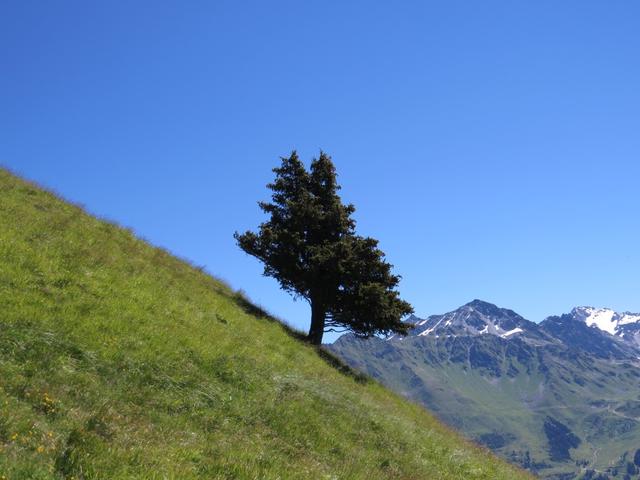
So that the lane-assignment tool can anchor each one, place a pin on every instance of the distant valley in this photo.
(561, 397)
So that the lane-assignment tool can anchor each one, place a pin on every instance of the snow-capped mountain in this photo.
(474, 318)
(624, 325)
(588, 328)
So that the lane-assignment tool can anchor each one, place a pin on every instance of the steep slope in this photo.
(119, 361)
(559, 398)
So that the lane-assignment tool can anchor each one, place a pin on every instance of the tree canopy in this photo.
(310, 247)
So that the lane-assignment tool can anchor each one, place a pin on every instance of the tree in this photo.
(310, 247)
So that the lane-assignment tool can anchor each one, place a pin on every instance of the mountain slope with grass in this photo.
(560, 398)
(120, 361)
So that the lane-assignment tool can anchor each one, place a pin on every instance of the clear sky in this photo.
(492, 147)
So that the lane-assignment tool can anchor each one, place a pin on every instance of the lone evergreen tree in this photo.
(310, 246)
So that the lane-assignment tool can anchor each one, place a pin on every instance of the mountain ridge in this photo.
(479, 317)
(559, 397)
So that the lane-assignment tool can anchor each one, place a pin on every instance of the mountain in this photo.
(560, 398)
(120, 361)
(623, 325)
(574, 331)
(477, 318)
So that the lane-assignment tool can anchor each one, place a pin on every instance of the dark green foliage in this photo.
(310, 246)
(560, 439)
(495, 440)
(593, 475)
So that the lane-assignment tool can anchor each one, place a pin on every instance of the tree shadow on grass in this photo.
(337, 363)
(257, 311)
(329, 357)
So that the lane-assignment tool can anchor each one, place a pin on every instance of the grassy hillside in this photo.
(119, 361)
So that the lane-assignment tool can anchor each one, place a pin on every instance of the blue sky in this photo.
(492, 147)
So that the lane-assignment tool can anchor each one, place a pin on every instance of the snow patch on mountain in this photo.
(475, 318)
(605, 319)
(511, 332)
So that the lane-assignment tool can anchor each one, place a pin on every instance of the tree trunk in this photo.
(318, 316)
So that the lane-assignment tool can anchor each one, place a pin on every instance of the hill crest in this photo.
(121, 361)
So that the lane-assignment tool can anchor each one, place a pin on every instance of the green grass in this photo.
(120, 361)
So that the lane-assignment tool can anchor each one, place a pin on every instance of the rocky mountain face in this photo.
(574, 332)
(475, 318)
(622, 325)
(561, 398)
